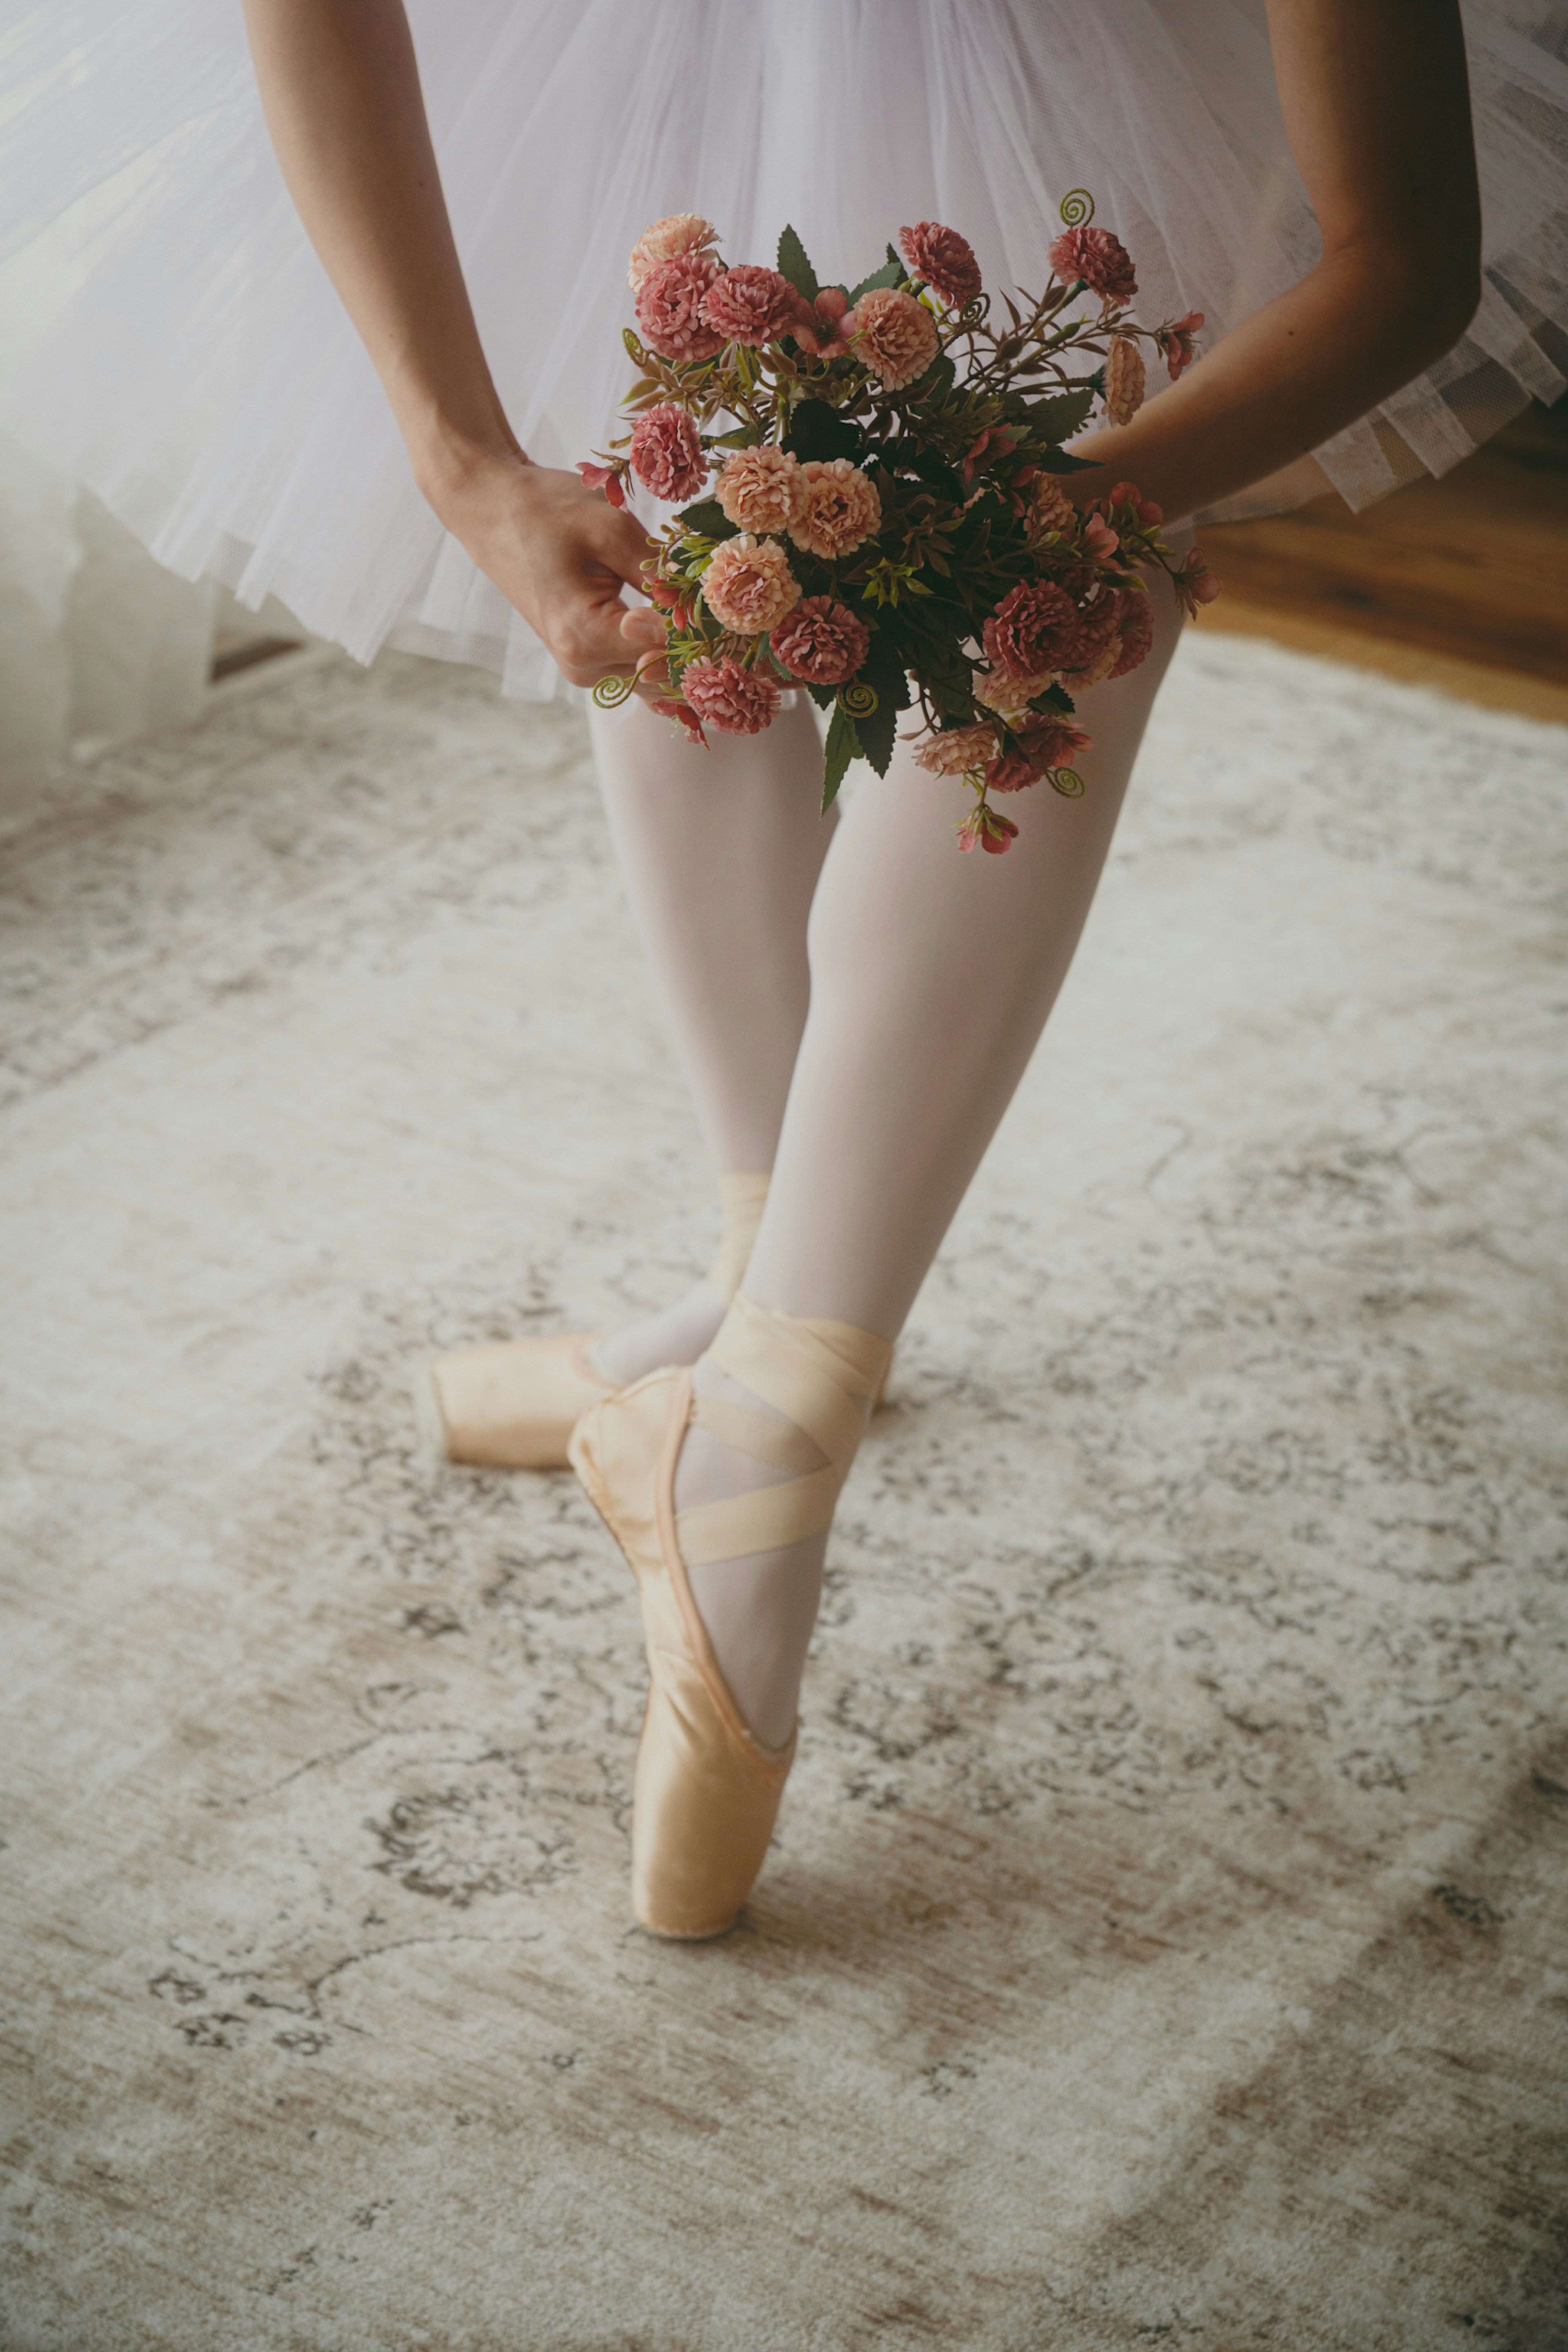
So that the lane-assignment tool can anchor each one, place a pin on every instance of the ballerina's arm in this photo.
(1376, 107)
(340, 88)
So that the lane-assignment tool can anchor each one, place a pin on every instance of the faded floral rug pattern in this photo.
(1166, 1943)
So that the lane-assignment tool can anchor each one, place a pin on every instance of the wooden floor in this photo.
(1460, 583)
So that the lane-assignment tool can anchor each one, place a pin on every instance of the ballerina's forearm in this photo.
(1376, 105)
(340, 84)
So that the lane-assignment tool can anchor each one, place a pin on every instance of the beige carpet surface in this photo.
(1166, 1940)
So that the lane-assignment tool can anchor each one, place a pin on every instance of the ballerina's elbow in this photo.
(1417, 303)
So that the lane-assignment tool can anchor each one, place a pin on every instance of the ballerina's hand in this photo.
(562, 555)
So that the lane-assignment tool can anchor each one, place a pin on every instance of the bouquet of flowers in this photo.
(887, 526)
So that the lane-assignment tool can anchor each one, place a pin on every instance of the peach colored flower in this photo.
(1050, 509)
(736, 701)
(821, 641)
(838, 509)
(957, 752)
(680, 233)
(1123, 381)
(1101, 261)
(944, 259)
(666, 454)
(750, 306)
(995, 690)
(749, 586)
(669, 308)
(762, 490)
(1176, 341)
(1034, 628)
(893, 334)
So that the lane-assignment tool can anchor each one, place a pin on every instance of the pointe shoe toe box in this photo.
(706, 1795)
(513, 1405)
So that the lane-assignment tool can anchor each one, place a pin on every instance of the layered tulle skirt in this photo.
(172, 340)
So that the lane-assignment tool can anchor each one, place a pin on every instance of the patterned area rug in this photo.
(1166, 1942)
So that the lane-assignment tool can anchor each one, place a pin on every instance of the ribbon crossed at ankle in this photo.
(820, 1375)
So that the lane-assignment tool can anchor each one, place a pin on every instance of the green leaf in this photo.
(843, 745)
(816, 430)
(883, 668)
(825, 697)
(889, 276)
(1056, 461)
(1057, 700)
(938, 379)
(1062, 416)
(744, 437)
(795, 265)
(709, 517)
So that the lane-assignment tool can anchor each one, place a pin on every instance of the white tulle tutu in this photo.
(185, 355)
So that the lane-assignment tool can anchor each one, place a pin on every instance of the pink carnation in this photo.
(762, 490)
(1098, 648)
(1034, 628)
(1123, 381)
(669, 308)
(750, 306)
(957, 752)
(1045, 743)
(666, 454)
(679, 232)
(838, 509)
(893, 334)
(1135, 629)
(736, 701)
(749, 586)
(944, 259)
(823, 642)
(1101, 261)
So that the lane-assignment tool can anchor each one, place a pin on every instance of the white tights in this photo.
(854, 1006)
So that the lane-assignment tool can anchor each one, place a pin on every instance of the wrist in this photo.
(453, 467)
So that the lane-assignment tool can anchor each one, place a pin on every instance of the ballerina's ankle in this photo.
(780, 1406)
(679, 1334)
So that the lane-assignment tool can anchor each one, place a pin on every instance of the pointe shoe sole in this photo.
(706, 1795)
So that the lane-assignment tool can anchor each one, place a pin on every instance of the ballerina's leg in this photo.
(933, 974)
(719, 851)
